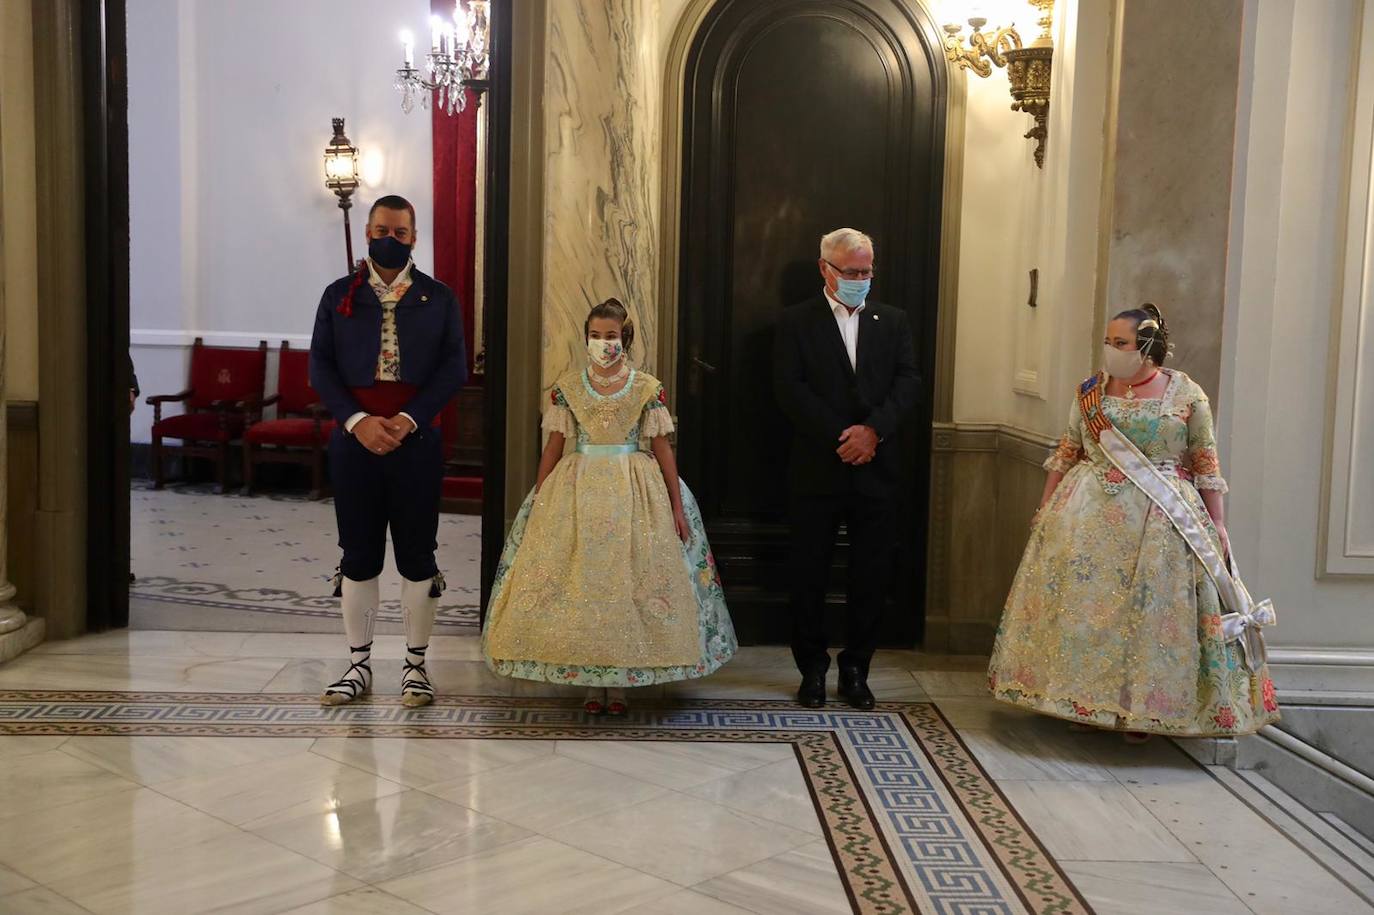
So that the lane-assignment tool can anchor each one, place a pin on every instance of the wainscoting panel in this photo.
(986, 482)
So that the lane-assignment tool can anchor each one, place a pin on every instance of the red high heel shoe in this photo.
(593, 705)
(615, 703)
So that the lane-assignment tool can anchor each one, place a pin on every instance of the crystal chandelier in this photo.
(458, 57)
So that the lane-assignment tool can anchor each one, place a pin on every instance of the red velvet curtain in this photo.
(454, 141)
(455, 203)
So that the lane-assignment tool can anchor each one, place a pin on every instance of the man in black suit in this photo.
(845, 374)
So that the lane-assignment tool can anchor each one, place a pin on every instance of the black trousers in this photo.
(399, 490)
(872, 525)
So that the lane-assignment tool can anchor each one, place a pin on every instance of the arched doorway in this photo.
(799, 116)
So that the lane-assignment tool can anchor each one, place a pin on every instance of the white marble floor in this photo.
(110, 824)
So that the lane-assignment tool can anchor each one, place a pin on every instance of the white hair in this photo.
(842, 241)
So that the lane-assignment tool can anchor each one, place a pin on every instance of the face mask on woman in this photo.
(1122, 363)
(605, 353)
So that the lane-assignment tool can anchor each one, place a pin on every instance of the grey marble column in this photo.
(12, 618)
(18, 633)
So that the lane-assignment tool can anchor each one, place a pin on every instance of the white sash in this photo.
(1245, 617)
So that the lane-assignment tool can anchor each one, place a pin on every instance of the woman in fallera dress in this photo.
(1126, 612)
(607, 580)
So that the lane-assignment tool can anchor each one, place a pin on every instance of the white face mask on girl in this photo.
(1122, 363)
(605, 353)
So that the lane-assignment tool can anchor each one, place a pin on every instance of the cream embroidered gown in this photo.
(1111, 620)
(595, 588)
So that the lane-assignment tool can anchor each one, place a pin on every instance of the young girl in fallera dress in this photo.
(607, 580)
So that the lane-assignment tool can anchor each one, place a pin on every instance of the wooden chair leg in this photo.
(316, 473)
(156, 456)
(222, 467)
(247, 469)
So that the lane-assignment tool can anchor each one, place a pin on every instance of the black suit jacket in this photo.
(823, 395)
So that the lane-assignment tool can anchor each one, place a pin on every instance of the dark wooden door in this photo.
(801, 116)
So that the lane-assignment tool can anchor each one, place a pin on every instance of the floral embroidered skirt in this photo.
(1112, 622)
(579, 618)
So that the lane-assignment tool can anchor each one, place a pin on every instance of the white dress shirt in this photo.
(849, 326)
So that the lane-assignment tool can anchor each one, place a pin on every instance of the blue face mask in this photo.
(852, 292)
(388, 253)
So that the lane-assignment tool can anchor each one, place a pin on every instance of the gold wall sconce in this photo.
(1028, 68)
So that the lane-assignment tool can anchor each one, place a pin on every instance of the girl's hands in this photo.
(683, 531)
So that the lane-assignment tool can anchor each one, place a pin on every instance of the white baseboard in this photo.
(184, 338)
(1322, 676)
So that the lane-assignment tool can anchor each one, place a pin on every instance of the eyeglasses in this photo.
(855, 273)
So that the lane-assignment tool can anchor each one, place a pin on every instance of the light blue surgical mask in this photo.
(852, 292)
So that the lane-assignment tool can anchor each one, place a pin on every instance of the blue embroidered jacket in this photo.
(429, 331)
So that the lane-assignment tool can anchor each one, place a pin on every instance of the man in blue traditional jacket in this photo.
(387, 355)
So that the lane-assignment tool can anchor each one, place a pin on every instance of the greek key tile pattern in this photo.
(914, 823)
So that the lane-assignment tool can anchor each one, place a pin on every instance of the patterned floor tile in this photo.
(228, 562)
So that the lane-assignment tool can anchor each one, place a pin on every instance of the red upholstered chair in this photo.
(461, 423)
(226, 384)
(301, 430)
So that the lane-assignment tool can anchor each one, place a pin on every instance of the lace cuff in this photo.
(560, 419)
(1064, 457)
(657, 421)
(1212, 482)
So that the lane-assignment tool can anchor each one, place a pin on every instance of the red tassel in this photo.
(346, 304)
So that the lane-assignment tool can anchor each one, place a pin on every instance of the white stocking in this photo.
(360, 599)
(417, 609)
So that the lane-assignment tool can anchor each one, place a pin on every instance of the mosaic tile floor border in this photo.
(913, 821)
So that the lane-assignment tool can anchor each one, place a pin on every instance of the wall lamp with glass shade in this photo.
(341, 177)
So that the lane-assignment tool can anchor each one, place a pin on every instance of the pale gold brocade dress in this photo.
(595, 587)
(1111, 620)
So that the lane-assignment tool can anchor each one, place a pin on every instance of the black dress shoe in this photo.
(854, 689)
(811, 693)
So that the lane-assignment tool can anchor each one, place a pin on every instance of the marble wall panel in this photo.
(1175, 144)
(602, 103)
